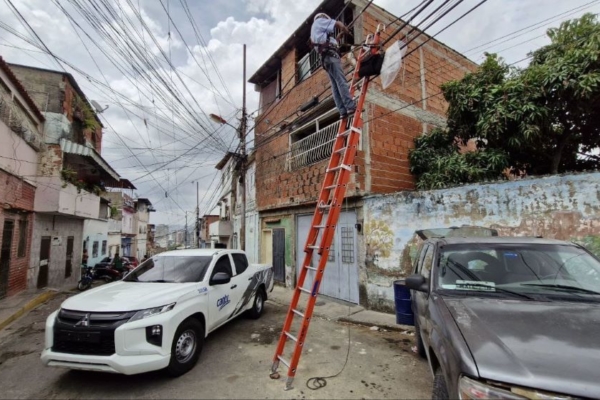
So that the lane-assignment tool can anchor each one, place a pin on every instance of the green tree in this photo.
(541, 119)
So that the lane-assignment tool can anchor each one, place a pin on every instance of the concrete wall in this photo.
(16, 156)
(562, 207)
(59, 228)
(95, 231)
(55, 195)
(114, 244)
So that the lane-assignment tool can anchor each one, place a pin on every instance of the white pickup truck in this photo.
(158, 316)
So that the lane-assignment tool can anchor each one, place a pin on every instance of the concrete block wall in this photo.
(561, 207)
(59, 227)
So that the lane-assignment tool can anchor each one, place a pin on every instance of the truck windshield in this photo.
(170, 269)
(526, 268)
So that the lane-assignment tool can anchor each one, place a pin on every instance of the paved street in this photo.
(234, 364)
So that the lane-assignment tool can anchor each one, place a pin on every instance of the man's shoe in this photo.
(343, 116)
(351, 112)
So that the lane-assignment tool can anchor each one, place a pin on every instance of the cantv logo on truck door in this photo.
(223, 301)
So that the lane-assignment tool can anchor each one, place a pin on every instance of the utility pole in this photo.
(243, 168)
(197, 216)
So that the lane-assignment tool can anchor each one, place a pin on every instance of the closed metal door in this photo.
(42, 280)
(5, 253)
(69, 262)
(340, 280)
(279, 254)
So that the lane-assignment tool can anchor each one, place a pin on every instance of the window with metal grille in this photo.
(104, 243)
(313, 142)
(95, 249)
(347, 245)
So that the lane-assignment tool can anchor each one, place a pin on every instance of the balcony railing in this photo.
(18, 120)
(313, 148)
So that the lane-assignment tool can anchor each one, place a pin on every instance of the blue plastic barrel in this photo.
(402, 300)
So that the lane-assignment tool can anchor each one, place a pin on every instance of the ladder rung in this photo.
(283, 360)
(352, 128)
(330, 187)
(311, 268)
(304, 290)
(324, 205)
(298, 313)
(345, 133)
(294, 338)
(343, 166)
(340, 150)
(319, 226)
(314, 247)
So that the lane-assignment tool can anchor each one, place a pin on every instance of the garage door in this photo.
(341, 274)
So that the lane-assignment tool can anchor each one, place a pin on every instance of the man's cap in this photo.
(321, 15)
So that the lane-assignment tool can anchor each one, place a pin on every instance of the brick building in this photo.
(70, 215)
(21, 127)
(293, 147)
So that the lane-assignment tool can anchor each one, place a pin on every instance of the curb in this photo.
(397, 328)
(349, 320)
(30, 305)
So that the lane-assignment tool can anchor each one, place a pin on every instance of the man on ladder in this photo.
(321, 35)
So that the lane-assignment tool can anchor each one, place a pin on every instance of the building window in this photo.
(308, 60)
(22, 250)
(270, 91)
(313, 142)
(308, 64)
(347, 245)
(104, 243)
(95, 249)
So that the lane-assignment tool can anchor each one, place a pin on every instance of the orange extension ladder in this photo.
(330, 200)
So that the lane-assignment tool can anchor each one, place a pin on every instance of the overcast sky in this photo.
(169, 148)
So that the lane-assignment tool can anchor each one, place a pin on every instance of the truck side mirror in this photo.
(417, 282)
(220, 278)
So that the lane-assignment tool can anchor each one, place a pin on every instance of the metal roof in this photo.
(74, 148)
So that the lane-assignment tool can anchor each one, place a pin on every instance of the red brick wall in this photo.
(390, 133)
(18, 196)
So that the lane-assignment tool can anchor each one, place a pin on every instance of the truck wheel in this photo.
(186, 347)
(440, 390)
(259, 304)
(420, 345)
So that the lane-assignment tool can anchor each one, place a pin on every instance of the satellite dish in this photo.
(98, 107)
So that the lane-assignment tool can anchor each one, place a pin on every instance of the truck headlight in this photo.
(472, 389)
(150, 312)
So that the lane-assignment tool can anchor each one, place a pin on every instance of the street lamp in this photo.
(220, 120)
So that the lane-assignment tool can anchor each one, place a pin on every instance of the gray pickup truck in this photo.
(508, 317)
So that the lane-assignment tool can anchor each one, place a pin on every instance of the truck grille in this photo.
(88, 333)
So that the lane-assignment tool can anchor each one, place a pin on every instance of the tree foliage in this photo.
(544, 118)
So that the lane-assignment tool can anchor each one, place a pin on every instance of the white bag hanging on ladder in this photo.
(392, 61)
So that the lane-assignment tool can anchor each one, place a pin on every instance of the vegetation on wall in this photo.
(85, 114)
(542, 119)
(69, 175)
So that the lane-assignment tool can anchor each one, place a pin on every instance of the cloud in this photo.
(157, 128)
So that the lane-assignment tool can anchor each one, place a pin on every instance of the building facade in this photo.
(294, 146)
(143, 207)
(21, 135)
(71, 177)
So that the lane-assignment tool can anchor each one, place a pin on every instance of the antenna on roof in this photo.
(98, 107)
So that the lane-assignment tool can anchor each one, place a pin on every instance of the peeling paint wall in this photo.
(561, 207)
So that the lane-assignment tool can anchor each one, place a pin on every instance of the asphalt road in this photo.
(235, 363)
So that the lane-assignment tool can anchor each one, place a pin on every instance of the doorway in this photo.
(279, 254)
(42, 280)
(5, 253)
(69, 262)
